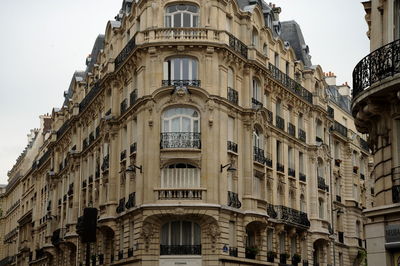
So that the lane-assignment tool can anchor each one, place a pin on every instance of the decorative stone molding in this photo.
(147, 233)
(214, 232)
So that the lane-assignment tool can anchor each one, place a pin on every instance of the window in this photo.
(256, 90)
(265, 49)
(180, 68)
(279, 151)
(301, 162)
(290, 158)
(121, 239)
(303, 206)
(293, 246)
(292, 200)
(336, 150)
(396, 19)
(131, 234)
(355, 192)
(341, 262)
(177, 234)
(254, 38)
(257, 139)
(321, 208)
(230, 78)
(300, 122)
(287, 68)
(320, 168)
(181, 119)
(257, 186)
(358, 229)
(182, 16)
(276, 60)
(278, 107)
(282, 244)
(319, 131)
(231, 129)
(228, 24)
(180, 175)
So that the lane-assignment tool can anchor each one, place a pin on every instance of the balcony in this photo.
(133, 148)
(291, 172)
(232, 146)
(321, 184)
(131, 201)
(258, 155)
(124, 106)
(130, 252)
(338, 162)
(280, 123)
(89, 97)
(181, 83)
(268, 160)
(233, 200)
(280, 167)
(288, 215)
(179, 140)
(256, 104)
(162, 35)
(233, 252)
(133, 97)
(121, 206)
(302, 135)
(342, 130)
(122, 155)
(291, 84)
(331, 112)
(302, 177)
(338, 198)
(292, 130)
(124, 54)
(341, 237)
(180, 193)
(238, 46)
(364, 145)
(180, 249)
(378, 65)
(233, 96)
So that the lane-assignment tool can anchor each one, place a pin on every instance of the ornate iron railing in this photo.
(321, 184)
(342, 130)
(133, 148)
(341, 237)
(233, 96)
(331, 112)
(291, 172)
(291, 84)
(124, 106)
(62, 129)
(233, 200)
(133, 97)
(268, 160)
(126, 51)
(106, 163)
(302, 135)
(181, 83)
(378, 65)
(232, 146)
(180, 140)
(121, 206)
(131, 201)
(238, 46)
(292, 130)
(280, 167)
(256, 104)
(288, 215)
(364, 145)
(258, 155)
(233, 251)
(302, 177)
(269, 116)
(180, 249)
(89, 97)
(280, 122)
(172, 194)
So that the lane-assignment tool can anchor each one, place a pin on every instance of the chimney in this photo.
(330, 78)
(344, 89)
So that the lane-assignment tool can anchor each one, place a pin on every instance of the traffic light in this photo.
(87, 224)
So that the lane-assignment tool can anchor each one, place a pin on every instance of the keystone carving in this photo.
(147, 233)
(214, 232)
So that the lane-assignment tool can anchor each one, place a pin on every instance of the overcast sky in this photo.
(44, 41)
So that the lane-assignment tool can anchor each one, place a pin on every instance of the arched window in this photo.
(182, 16)
(180, 238)
(180, 68)
(180, 128)
(321, 209)
(254, 38)
(180, 175)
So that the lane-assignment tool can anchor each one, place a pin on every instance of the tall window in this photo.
(282, 244)
(300, 121)
(287, 68)
(303, 206)
(278, 107)
(254, 38)
(180, 175)
(321, 209)
(301, 162)
(182, 16)
(397, 19)
(230, 78)
(181, 119)
(180, 233)
(290, 158)
(279, 151)
(231, 129)
(257, 139)
(228, 24)
(320, 168)
(276, 59)
(180, 68)
(256, 90)
(336, 150)
(257, 186)
(319, 131)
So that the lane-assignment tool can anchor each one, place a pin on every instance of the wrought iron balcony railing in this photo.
(280, 167)
(121, 206)
(131, 201)
(280, 123)
(232, 146)
(291, 130)
(233, 200)
(124, 106)
(256, 104)
(302, 177)
(184, 193)
(233, 251)
(180, 140)
(342, 130)
(124, 54)
(89, 97)
(268, 160)
(364, 145)
(338, 198)
(258, 155)
(181, 83)
(341, 237)
(133, 148)
(288, 215)
(133, 97)
(238, 46)
(291, 84)
(331, 112)
(233, 96)
(180, 249)
(302, 135)
(378, 65)
(321, 184)
(291, 172)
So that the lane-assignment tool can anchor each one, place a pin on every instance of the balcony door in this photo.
(180, 68)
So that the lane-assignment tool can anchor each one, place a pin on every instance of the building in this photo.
(375, 107)
(204, 135)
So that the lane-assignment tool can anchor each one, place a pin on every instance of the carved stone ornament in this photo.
(214, 232)
(147, 233)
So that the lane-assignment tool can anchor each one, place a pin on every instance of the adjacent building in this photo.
(375, 107)
(204, 135)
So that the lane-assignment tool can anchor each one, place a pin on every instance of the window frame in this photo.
(193, 16)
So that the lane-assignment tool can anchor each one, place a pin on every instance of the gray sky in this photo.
(44, 41)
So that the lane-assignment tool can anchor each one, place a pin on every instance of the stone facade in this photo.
(203, 135)
(375, 106)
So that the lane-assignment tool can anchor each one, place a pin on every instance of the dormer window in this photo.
(182, 16)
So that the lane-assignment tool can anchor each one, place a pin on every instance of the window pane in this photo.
(168, 21)
(175, 233)
(194, 69)
(196, 126)
(177, 21)
(185, 68)
(186, 233)
(176, 68)
(195, 21)
(176, 125)
(186, 20)
(186, 125)
(197, 234)
(164, 234)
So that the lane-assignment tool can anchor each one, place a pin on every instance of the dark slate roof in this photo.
(78, 76)
(97, 47)
(291, 32)
(340, 100)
